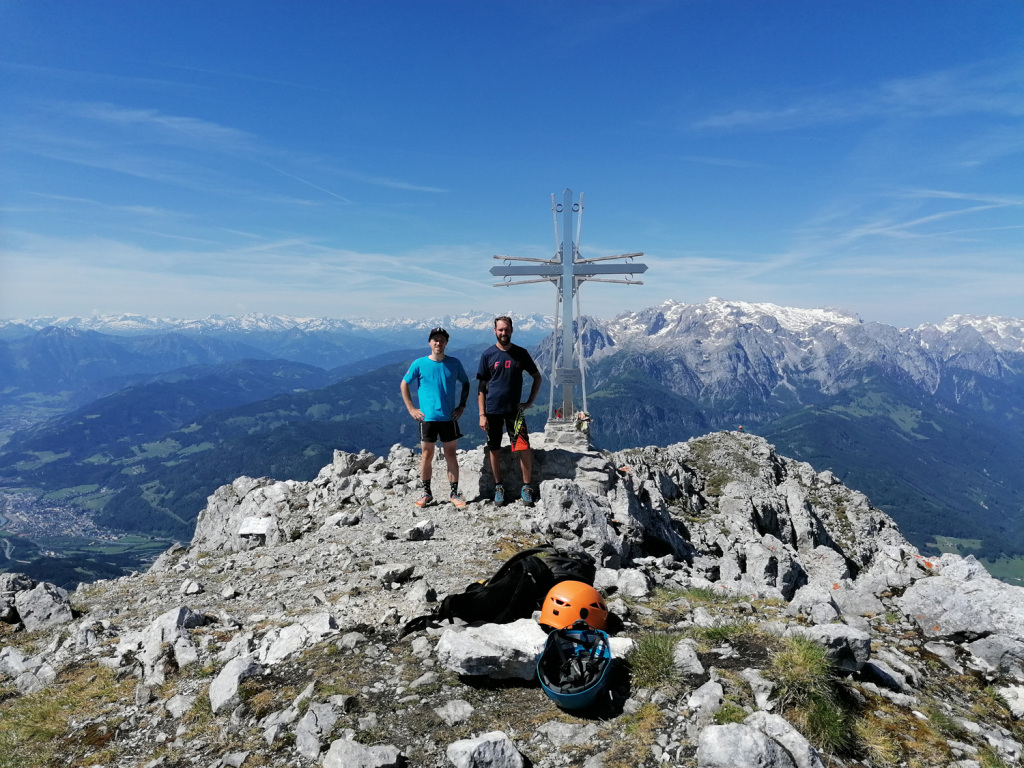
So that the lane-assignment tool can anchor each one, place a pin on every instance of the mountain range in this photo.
(143, 418)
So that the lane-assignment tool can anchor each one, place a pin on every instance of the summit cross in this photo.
(567, 271)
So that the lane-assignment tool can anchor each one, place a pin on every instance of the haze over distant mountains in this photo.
(144, 417)
(258, 323)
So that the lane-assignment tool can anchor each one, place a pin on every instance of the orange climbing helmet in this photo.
(569, 601)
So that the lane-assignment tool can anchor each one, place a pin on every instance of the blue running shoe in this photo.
(527, 496)
(499, 495)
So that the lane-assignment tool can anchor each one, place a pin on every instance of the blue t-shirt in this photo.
(436, 382)
(503, 373)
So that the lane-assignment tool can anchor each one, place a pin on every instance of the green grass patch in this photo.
(956, 546)
(158, 449)
(811, 695)
(651, 660)
(709, 596)
(1010, 570)
(198, 448)
(709, 637)
(70, 493)
(33, 727)
(41, 458)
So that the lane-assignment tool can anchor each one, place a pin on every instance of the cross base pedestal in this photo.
(568, 435)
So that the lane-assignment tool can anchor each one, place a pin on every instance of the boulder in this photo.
(10, 585)
(735, 744)
(633, 582)
(815, 603)
(1000, 654)
(962, 602)
(490, 750)
(224, 688)
(346, 753)
(779, 730)
(30, 673)
(279, 644)
(684, 657)
(707, 700)
(314, 726)
(165, 639)
(43, 606)
(760, 686)
(499, 651)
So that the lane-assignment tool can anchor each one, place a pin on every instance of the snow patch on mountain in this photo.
(1005, 334)
(670, 317)
(130, 324)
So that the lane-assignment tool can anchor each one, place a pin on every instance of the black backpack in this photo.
(515, 591)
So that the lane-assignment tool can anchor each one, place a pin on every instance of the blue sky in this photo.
(367, 159)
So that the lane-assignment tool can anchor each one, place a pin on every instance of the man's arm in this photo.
(415, 412)
(481, 401)
(534, 390)
(463, 399)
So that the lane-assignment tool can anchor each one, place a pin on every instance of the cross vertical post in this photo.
(567, 271)
(568, 371)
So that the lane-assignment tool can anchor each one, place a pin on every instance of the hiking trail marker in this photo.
(567, 271)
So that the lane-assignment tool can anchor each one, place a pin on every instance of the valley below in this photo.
(113, 434)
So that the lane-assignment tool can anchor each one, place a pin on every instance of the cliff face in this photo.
(274, 638)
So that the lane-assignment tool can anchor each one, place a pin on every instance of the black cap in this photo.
(439, 331)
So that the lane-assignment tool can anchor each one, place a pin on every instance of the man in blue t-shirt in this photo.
(435, 377)
(500, 391)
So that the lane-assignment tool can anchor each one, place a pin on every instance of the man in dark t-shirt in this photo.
(500, 377)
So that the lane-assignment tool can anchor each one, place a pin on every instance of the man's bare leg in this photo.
(526, 462)
(451, 460)
(495, 456)
(426, 461)
(426, 469)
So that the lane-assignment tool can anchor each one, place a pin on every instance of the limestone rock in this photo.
(455, 711)
(963, 602)
(43, 606)
(489, 750)
(224, 688)
(346, 753)
(499, 651)
(684, 657)
(735, 744)
(10, 585)
(780, 731)
(313, 727)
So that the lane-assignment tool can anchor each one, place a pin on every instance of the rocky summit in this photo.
(763, 615)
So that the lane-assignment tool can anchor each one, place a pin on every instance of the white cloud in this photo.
(162, 128)
(995, 88)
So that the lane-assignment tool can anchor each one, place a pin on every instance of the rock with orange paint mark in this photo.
(962, 602)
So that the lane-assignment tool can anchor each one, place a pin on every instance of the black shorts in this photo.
(432, 431)
(500, 422)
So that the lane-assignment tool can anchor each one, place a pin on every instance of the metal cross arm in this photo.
(579, 269)
(607, 269)
(606, 258)
(548, 261)
(524, 282)
(552, 270)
